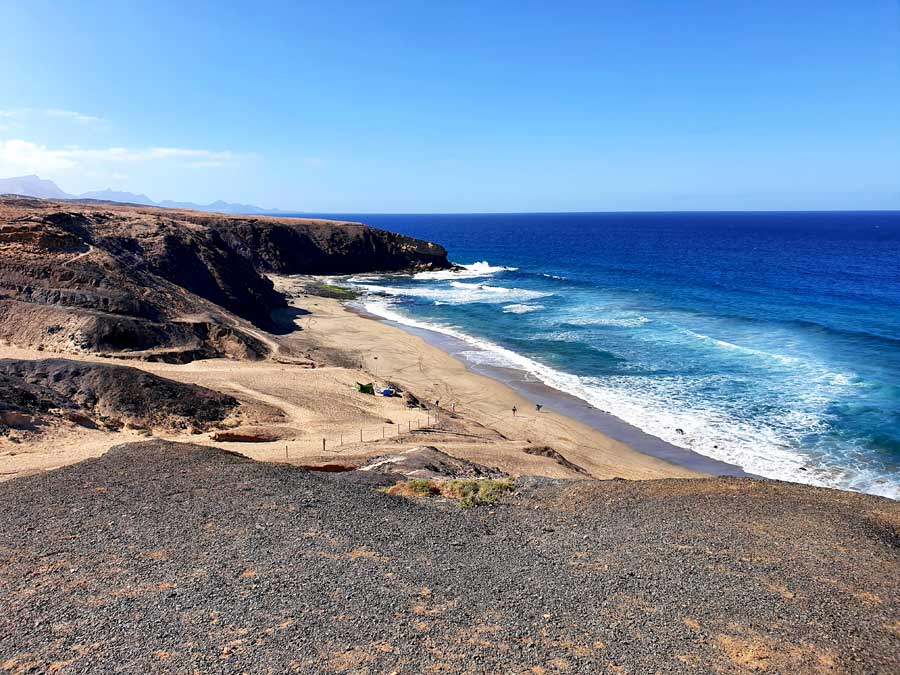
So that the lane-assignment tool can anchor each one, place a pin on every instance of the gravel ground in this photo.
(160, 557)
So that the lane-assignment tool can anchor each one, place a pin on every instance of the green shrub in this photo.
(476, 492)
(332, 291)
(469, 493)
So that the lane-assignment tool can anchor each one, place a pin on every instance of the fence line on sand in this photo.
(340, 443)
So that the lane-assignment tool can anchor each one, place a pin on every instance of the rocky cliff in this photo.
(167, 284)
(38, 393)
(324, 247)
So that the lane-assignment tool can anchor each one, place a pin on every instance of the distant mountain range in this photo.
(34, 186)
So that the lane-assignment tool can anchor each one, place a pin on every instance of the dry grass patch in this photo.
(415, 487)
(469, 493)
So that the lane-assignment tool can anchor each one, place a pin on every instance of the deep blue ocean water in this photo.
(771, 340)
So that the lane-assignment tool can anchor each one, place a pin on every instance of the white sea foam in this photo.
(747, 350)
(618, 321)
(459, 293)
(521, 309)
(661, 408)
(472, 271)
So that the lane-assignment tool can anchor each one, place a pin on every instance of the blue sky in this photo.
(467, 107)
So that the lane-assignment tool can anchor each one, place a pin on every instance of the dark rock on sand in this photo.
(412, 401)
(425, 461)
(98, 394)
(172, 558)
(244, 437)
(165, 284)
(545, 451)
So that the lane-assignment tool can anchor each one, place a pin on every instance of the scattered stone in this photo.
(300, 571)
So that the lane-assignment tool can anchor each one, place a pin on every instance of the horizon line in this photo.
(288, 212)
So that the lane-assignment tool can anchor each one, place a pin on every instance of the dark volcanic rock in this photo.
(545, 451)
(164, 284)
(317, 247)
(167, 558)
(87, 392)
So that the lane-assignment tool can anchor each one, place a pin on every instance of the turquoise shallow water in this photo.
(767, 340)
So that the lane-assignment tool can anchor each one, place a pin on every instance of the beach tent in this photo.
(365, 388)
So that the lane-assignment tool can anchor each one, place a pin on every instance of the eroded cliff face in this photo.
(293, 246)
(164, 284)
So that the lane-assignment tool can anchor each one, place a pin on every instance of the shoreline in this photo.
(581, 411)
(568, 405)
(392, 353)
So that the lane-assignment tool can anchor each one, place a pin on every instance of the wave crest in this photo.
(521, 308)
(470, 271)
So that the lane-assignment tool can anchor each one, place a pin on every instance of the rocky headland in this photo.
(169, 285)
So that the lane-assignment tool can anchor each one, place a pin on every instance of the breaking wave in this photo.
(458, 293)
(471, 271)
(522, 309)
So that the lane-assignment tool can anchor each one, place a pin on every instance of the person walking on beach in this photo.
(515, 409)
(537, 407)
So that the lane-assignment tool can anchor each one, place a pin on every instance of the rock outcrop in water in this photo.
(168, 285)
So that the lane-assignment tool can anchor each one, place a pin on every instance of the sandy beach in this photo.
(305, 394)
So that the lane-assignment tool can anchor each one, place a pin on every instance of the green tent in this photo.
(365, 388)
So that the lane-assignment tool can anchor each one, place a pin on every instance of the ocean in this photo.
(770, 341)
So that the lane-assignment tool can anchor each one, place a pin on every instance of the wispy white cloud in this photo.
(28, 117)
(35, 157)
(73, 116)
(207, 164)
